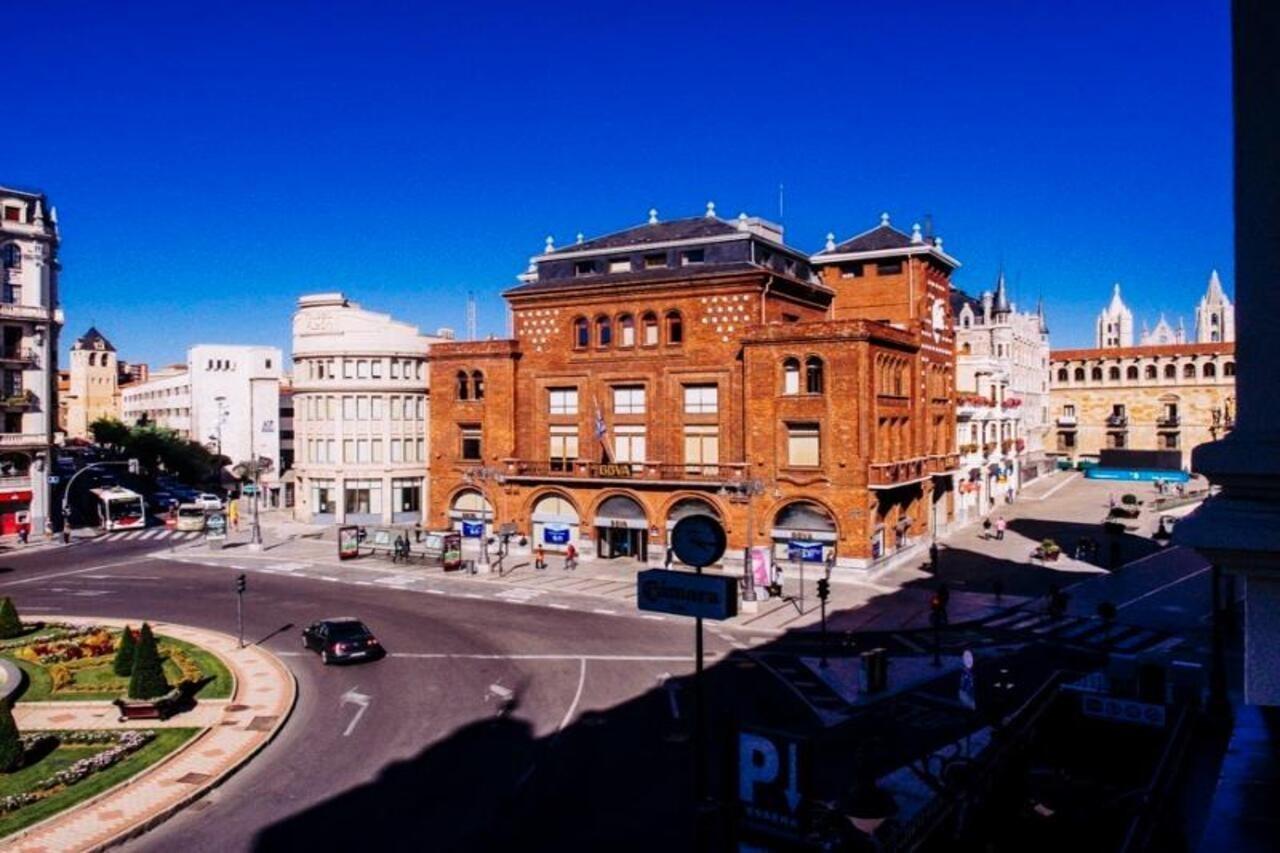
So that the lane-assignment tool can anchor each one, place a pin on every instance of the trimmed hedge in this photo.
(10, 624)
(125, 652)
(147, 680)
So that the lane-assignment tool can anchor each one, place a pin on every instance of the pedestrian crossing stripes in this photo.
(152, 535)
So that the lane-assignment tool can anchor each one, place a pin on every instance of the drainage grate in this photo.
(261, 724)
(194, 778)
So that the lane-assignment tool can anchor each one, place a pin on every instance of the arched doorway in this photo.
(804, 532)
(471, 514)
(690, 506)
(622, 529)
(555, 522)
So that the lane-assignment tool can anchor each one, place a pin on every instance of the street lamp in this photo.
(744, 491)
(222, 417)
(478, 476)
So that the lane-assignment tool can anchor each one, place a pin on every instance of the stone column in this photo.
(1240, 528)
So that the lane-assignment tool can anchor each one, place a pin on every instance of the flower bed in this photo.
(119, 745)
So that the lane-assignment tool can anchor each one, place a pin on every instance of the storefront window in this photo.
(322, 497)
(363, 497)
(407, 494)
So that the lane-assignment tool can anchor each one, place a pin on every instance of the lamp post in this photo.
(222, 416)
(479, 476)
(744, 491)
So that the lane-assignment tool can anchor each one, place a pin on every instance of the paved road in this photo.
(429, 756)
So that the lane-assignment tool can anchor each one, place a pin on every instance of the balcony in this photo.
(1067, 420)
(888, 475)
(34, 313)
(1118, 421)
(23, 439)
(943, 463)
(22, 401)
(1169, 421)
(14, 483)
(653, 473)
(25, 357)
(970, 406)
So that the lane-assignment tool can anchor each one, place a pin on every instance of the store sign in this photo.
(805, 552)
(1123, 710)
(622, 472)
(473, 529)
(348, 543)
(687, 594)
(771, 781)
(555, 534)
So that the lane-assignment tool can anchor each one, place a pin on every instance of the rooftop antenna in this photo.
(782, 204)
(471, 316)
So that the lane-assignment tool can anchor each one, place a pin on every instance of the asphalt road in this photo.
(429, 763)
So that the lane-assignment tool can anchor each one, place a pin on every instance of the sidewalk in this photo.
(235, 730)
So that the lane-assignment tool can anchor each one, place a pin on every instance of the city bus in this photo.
(119, 509)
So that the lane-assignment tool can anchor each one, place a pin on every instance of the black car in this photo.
(341, 639)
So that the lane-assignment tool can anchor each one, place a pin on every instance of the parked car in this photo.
(209, 500)
(341, 638)
(191, 517)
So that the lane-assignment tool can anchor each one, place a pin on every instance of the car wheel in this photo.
(324, 657)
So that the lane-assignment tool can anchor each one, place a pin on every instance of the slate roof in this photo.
(90, 338)
(959, 299)
(693, 228)
(638, 277)
(877, 239)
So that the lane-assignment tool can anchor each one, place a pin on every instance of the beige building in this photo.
(1171, 397)
(93, 389)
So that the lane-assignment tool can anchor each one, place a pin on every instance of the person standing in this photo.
(233, 514)
(570, 557)
(539, 558)
(1000, 525)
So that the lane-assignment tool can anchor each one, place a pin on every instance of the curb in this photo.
(169, 811)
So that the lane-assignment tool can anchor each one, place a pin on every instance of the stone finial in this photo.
(937, 242)
(39, 212)
(711, 210)
(53, 214)
(916, 236)
(653, 216)
(884, 218)
(831, 240)
(580, 238)
(551, 244)
(742, 221)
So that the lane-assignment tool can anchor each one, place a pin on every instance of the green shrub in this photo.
(1129, 500)
(147, 680)
(10, 742)
(10, 624)
(123, 665)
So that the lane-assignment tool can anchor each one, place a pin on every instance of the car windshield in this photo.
(347, 630)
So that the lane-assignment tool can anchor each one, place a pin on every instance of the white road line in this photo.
(150, 534)
(558, 606)
(601, 610)
(1162, 588)
(436, 591)
(577, 697)
(1059, 486)
(472, 595)
(97, 568)
(655, 617)
(328, 578)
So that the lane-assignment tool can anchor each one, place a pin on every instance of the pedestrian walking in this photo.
(539, 558)
(933, 554)
(986, 528)
(24, 531)
(1000, 525)
(570, 557)
(233, 514)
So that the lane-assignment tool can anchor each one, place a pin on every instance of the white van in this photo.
(190, 517)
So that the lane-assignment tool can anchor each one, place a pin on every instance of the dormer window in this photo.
(652, 262)
(692, 256)
(851, 270)
(889, 268)
(619, 265)
(584, 268)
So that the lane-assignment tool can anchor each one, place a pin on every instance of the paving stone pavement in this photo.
(234, 731)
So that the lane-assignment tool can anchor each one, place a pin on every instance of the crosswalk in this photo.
(1081, 631)
(156, 534)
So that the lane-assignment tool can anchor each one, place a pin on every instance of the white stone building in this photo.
(1215, 315)
(360, 414)
(226, 397)
(1002, 394)
(1115, 323)
(30, 320)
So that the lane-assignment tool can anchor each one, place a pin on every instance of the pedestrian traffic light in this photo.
(240, 583)
(824, 588)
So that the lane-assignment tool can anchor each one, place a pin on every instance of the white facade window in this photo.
(349, 450)
(420, 457)
(395, 407)
(628, 400)
(348, 369)
(563, 401)
(362, 408)
(563, 447)
(348, 408)
(395, 368)
(375, 408)
(701, 399)
(362, 369)
(397, 450)
(802, 445)
(375, 368)
(701, 445)
(629, 444)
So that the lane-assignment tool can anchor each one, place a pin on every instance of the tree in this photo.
(125, 653)
(109, 432)
(10, 743)
(10, 624)
(147, 680)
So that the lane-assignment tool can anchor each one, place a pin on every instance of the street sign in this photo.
(687, 594)
(1122, 710)
(53, 479)
(215, 528)
(772, 770)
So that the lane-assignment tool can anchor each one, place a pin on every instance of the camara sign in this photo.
(687, 594)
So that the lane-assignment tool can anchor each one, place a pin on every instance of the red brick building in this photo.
(702, 365)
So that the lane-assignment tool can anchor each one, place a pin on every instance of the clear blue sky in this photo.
(210, 162)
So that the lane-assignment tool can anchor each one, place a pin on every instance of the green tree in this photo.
(110, 432)
(147, 680)
(10, 743)
(10, 624)
(125, 652)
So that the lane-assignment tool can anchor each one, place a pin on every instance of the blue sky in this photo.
(211, 162)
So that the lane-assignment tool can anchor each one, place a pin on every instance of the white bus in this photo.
(119, 509)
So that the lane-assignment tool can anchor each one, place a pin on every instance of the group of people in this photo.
(570, 558)
(999, 525)
(1164, 487)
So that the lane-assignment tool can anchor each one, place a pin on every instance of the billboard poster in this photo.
(760, 567)
(555, 534)
(348, 542)
(804, 551)
(473, 529)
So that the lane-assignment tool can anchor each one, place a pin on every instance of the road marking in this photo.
(363, 583)
(577, 697)
(472, 595)
(150, 534)
(354, 696)
(1162, 588)
(672, 688)
(653, 616)
(548, 657)
(1059, 486)
(558, 606)
(328, 578)
(601, 610)
(436, 591)
(97, 568)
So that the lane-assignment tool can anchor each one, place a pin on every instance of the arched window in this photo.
(92, 357)
(1079, 374)
(1132, 372)
(791, 376)
(649, 324)
(1229, 368)
(813, 375)
(626, 330)
(1151, 371)
(1170, 372)
(1062, 374)
(604, 331)
(11, 255)
(675, 328)
(464, 390)
(1209, 371)
(477, 385)
(581, 333)
(1188, 371)
(1096, 374)
(1114, 374)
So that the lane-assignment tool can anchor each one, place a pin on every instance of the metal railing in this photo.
(1168, 420)
(1117, 420)
(23, 439)
(25, 312)
(21, 356)
(583, 470)
(1067, 420)
(892, 473)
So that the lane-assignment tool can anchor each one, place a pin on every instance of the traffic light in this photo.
(240, 583)
(937, 610)
(824, 588)
(133, 466)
